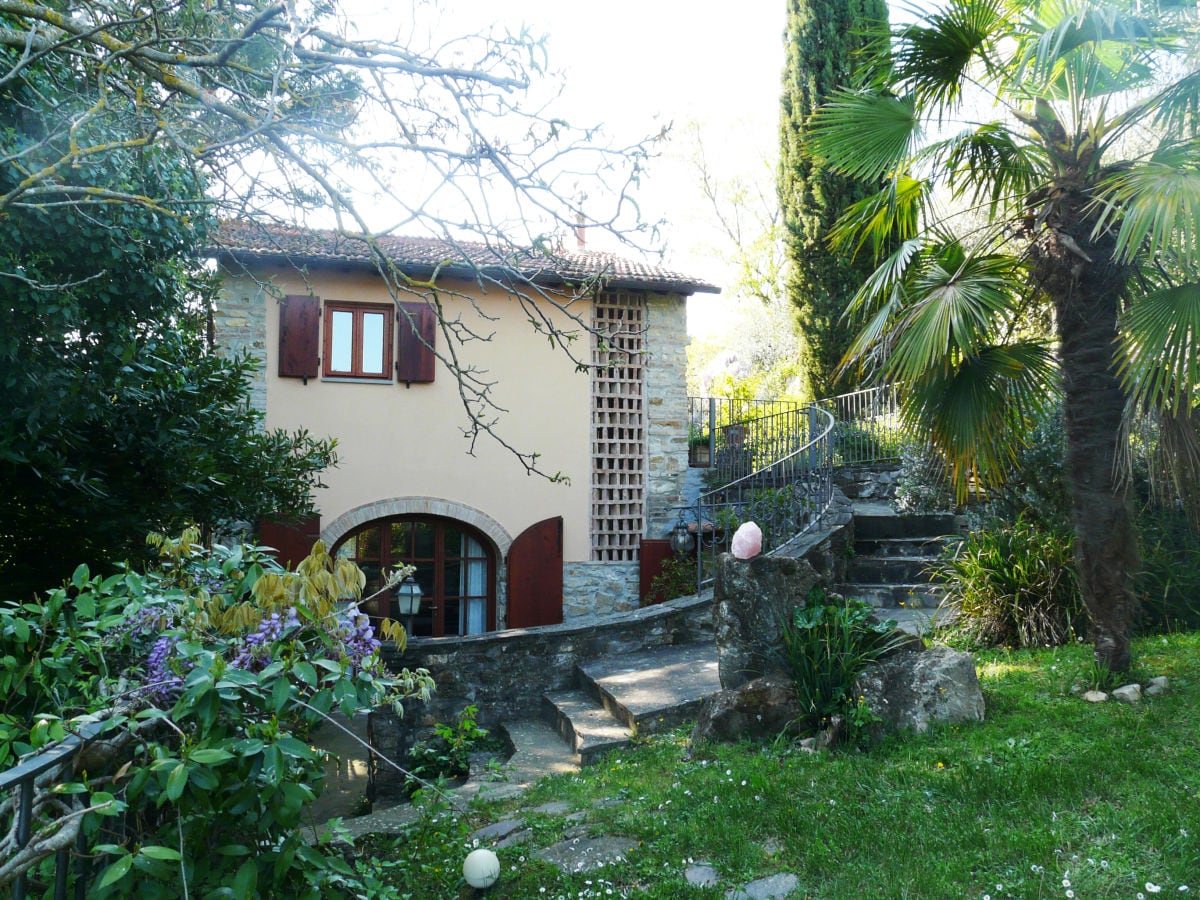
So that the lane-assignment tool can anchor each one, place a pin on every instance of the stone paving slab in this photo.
(656, 689)
(583, 722)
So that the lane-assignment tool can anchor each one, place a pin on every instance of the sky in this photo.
(635, 66)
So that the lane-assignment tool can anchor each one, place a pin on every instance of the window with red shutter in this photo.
(415, 359)
(299, 324)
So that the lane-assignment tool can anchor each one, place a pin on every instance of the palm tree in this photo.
(1043, 165)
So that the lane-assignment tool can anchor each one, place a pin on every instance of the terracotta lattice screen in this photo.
(618, 427)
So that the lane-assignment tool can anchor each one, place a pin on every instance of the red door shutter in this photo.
(415, 360)
(299, 329)
(653, 554)
(535, 575)
(293, 541)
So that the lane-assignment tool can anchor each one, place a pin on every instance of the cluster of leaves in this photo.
(1014, 585)
(210, 669)
(826, 646)
(119, 417)
(676, 578)
(447, 754)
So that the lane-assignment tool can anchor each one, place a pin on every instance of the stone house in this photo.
(346, 355)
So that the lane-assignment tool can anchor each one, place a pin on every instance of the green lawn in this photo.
(1050, 797)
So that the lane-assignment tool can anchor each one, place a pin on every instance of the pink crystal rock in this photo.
(747, 541)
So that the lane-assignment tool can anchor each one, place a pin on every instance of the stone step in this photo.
(889, 569)
(928, 547)
(588, 728)
(654, 690)
(883, 525)
(891, 596)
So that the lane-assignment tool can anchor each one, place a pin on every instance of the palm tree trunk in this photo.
(1087, 286)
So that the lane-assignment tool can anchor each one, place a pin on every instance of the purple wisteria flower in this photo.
(163, 685)
(255, 654)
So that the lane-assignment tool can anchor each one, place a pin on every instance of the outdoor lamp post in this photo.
(681, 539)
(408, 600)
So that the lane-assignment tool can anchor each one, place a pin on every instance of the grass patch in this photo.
(1049, 795)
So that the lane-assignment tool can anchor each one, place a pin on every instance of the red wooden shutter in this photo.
(654, 552)
(299, 330)
(535, 575)
(415, 360)
(293, 541)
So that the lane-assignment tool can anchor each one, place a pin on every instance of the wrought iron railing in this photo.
(41, 770)
(868, 427)
(733, 438)
(774, 463)
(785, 498)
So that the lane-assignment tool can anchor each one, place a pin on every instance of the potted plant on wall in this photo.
(699, 449)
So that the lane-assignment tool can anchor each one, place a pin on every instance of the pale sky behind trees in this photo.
(636, 66)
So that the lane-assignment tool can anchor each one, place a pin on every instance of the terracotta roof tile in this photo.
(419, 256)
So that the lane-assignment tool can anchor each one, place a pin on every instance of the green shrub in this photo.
(1169, 582)
(676, 578)
(1014, 586)
(922, 486)
(447, 755)
(826, 647)
(210, 668)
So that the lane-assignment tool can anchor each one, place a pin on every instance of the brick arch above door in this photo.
(422, 506)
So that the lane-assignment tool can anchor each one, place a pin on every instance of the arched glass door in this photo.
(454, 567)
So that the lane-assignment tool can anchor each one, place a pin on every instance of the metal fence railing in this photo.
(773, 462)
(42, 769)
(733, 438)
(867, 425)
(785, 498)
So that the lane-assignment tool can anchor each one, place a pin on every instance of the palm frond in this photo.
(931, 60)
(992, 164)
(892, 214)
(1157, 204)
(960, 302)
(979, 412)
(1113, 34)
(1160, 350)
(865, 135)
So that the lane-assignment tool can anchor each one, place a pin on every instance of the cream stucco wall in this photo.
(401, 442)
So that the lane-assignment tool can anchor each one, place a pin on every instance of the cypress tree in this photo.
(824, 39)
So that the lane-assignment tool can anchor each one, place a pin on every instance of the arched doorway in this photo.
(455, 567)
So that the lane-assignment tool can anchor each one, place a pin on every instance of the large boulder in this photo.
(760, 709)
(752, 599)
(910, 691)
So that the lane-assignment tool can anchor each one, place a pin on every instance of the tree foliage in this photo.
(824, 41)
(208, 670)
(278, 111)
(1080, 196)
(119, 419)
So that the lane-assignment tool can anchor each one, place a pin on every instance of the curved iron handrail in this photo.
(786, 498)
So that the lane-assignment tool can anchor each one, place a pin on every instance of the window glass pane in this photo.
(368, 544)
(372, 344)
(425, 575)
(453, 622)
(423, 540)
(472, 548)
(401, 541)
(475, 582)
(454, 541)
(453, 578)
(341, 341)
(475, 616)
(345, 550)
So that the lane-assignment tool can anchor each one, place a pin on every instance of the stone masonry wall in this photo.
(599, 589)
(240, 326)
(505, 673)
(666, 410)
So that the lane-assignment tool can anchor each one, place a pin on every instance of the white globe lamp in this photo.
(481, 868)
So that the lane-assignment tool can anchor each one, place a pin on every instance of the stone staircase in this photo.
(892, 554)
(641, 693)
